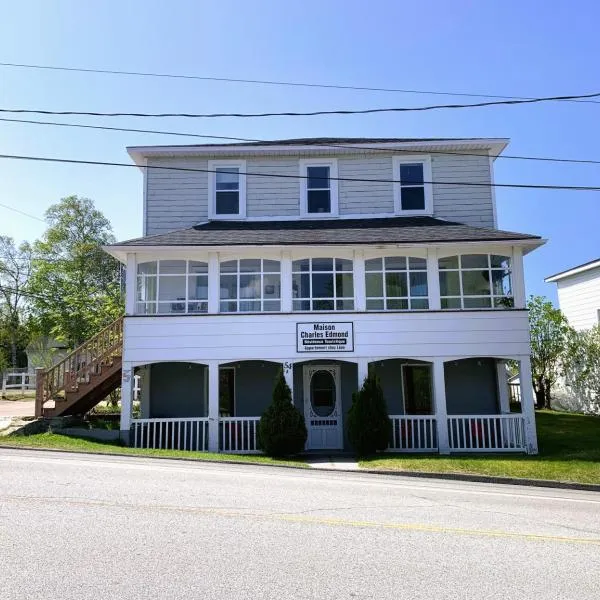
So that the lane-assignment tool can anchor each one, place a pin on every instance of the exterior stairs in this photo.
(78, 382)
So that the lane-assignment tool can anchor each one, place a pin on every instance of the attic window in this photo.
(412, 185)
(227, 189)
(319, 188)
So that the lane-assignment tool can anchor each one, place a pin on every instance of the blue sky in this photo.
(509, 48)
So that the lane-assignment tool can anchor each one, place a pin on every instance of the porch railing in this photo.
(238, 435)
(413, 433)
(171, 434)
(483, 433)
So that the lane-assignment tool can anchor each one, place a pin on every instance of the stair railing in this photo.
(78, 366)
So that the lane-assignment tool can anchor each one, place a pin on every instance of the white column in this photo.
(213, 407)
(130, 284)
(502, 379)
(518, 278)
(126, 400)
(433, 279)
(214, 286)
(288, 374)
(528, 403)
(441, 416)
(360, 290)
(363, 370)
(286, 281)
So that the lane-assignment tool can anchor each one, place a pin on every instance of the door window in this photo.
(322, 393)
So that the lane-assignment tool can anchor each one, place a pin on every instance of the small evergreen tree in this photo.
(281, 429)
(369, 426)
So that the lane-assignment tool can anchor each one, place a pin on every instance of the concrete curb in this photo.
(543, 483)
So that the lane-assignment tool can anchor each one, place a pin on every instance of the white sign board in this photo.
(324, 337)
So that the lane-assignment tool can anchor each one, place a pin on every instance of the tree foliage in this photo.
(74, 286)
(369, 426)
(281, 429)
(549, 333)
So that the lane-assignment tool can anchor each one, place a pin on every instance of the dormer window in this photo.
(227, 189)
(412, 185)
(318, 186)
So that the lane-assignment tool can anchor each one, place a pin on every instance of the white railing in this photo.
(18, 379)
(238, 435)
(483, 433)
(413, 433)
(171, 434)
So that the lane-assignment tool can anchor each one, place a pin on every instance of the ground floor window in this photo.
(417, 389)
(227, 392)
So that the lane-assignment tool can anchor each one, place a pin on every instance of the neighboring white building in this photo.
(324, 258)
(579, 294)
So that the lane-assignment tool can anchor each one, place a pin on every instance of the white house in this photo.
(324, 258)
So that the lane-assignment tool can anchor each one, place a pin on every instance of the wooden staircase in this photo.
(83, 378)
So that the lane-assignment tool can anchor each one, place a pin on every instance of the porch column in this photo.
(130, 284)
(363, 370)
(502, 379)
(214, 286)
(213, 407)
(528, 403)
(441, 416)
(126, 401)
(360, 290)
(433, 279)
(286, 281)
(288, 374)
(518, 278)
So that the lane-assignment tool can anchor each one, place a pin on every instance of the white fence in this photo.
(238, 435)
(413, 433)
(19, 379)
(171, 434)
(483, 433)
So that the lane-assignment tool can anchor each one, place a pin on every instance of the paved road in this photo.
(17, 408)
(83, 527)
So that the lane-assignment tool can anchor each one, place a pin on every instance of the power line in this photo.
(21, 212)
(285, 176)
(270, 82)
(255, 140)
(365, 111)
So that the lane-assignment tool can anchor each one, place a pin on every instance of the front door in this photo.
(323, 407)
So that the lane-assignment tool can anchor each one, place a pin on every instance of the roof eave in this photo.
(574, 271)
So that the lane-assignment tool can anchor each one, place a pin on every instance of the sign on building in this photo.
(324, 337)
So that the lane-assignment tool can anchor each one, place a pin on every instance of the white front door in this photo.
(323, 407)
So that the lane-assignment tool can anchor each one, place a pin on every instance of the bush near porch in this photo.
(569, 450)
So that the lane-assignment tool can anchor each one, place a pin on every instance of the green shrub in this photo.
(281, 429)
(369, 426)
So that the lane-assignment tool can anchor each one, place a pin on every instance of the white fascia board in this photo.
(575, 271)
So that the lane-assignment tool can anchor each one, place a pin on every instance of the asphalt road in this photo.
(79, 527)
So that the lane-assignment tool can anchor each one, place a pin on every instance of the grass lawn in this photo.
(55, 441)
(569, 446)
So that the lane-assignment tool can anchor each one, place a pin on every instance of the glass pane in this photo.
(228, 307)
(301, 265)
(417, 388)
(146, 288)
(319, 201)
(418, 284)
(449, 283)
(344, 285)
(373, 264)
(318, 178)
(271, 266)
(272, 305)
(228, 203)
(451, 303)
(229, 266)
(395, 284)
(478, 302)
(322, 285)
(374, 304)
(249, 286)
(417, 263)
(343, 264)
(504, 302)
(250, 265)
(228, 286)
(501, 284)
(197, 307)
(300, 285)
(322, 264)
(397, 304)
(322, 393)
(412, 198)
(411, 174)
(395, 263)
(500, 262)
(166, 308)
(344, 304)
(476, 283)
(228, 178)
(173, 267)
(198, 287)
(197, 267)
(450, 262)
(374, 284)
(147, 268)
(249, 306)
(420, 304)
(323, 305)
(171, 288)
(143, 308)
(271, 286)
(474, 261)
(301, 305)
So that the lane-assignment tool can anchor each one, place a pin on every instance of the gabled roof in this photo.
(392, 230)
(592, 264)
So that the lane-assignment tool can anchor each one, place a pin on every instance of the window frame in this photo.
(427, 185)
(213, 165)
(332, 163)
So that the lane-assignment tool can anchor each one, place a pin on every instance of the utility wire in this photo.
(365, 111)
(270, 82)
(255, 140)
(21, 212)
(285, 176)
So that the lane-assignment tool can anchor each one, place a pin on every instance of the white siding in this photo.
(579, 298)
(376, 336)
